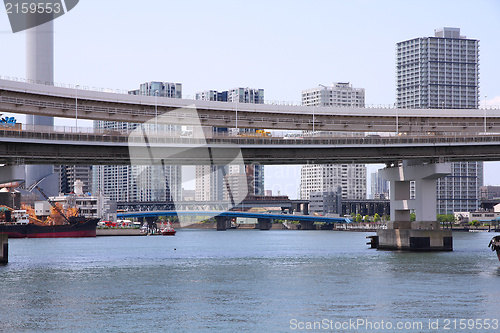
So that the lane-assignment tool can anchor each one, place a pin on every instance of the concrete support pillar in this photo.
(4, 249)
(305, 209)
(265, 224)
(223, 223)
(152, 227)
(424, 233)
(307, 225)
(40, 69)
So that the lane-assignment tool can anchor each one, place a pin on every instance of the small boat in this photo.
(495, 245)
(168, 230)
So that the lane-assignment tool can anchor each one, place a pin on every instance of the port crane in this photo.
(52, 203)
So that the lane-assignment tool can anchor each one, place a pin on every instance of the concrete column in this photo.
(4, 249)
(222, 223)
(305, 209)
(152, 228)
(424, 233)
(11, 174)
(265, 224)
(40, 69)
(307, 225)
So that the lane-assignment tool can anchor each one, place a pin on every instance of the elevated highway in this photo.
(47, 100)
(33, 146)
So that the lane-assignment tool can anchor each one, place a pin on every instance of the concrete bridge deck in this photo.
(32, 146)
(47, 100)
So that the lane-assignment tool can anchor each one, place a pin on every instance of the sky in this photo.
(282, 46)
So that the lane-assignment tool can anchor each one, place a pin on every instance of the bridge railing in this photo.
(65, 133)
(387, 125)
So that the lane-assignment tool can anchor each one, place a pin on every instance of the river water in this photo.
(247, 281)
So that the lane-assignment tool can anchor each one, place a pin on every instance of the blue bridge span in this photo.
(223, 218)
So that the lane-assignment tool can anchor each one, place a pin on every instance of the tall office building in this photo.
(442, 72)
(140, 183)
(326, 178)
(212, 181)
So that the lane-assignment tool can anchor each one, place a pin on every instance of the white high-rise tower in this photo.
(40, 69)
(351, 178)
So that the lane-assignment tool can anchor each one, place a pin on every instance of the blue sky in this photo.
(282, 46)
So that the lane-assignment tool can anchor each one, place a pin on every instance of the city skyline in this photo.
(292, 45)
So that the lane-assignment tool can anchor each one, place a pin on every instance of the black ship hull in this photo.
(85, 228)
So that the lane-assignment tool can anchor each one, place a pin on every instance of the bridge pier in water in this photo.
(265, 224)
(152, 226)
(307, 225)
(4, 249)
(223, 222)
(424, 234)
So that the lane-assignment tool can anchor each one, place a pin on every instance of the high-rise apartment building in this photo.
(326, 203)
(140, 183)
(246, 95)
(326, 178)
(212, 95)
(351, 178)
(209, 184)
(438, 72)
(442, 72)
(212, 181)
(490, 192)
(338, 94)
(69, 174)
(379, 187)
(460, 191)
(160, 89)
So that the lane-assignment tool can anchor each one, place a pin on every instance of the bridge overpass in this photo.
(285, 204)
(33, 146)
(223, 217)
(430, 137)
(67, 102)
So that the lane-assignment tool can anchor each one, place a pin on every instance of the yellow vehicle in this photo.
(256, 134)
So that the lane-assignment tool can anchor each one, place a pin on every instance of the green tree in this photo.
(474, 223)
(413, 217)
(367, 218)
(376, 218)
(359, 218)
(446, 218)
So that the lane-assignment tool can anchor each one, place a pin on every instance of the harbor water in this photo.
(247, 281)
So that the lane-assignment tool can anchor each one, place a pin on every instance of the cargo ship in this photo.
(18, 224)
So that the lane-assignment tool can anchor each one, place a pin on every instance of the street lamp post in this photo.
(484, 108)
(397, 120)
(76, 106)
(313, 119)
(237, 115)
(156, 111)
